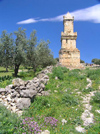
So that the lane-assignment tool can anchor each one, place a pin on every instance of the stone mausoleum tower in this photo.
(69, 55)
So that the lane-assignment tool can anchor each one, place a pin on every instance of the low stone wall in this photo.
(19, 95)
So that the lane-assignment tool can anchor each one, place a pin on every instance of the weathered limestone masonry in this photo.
(69, 55)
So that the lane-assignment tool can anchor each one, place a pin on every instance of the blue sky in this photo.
(45, 16)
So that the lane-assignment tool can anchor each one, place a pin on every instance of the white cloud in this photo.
(57, 18)
(28, 21)
(88, 14)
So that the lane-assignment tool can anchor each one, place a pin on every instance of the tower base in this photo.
(70, 58)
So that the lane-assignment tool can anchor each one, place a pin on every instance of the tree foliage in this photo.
(96, 61)
(6, 49)
(45, 56)
(57, 59)
(31, 50)
(21, 50)
(82, 61)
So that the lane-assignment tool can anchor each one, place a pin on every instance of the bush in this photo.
(26, 74)
(77, 121)
(29, 125)
(8, 121)
(93, 77)
(96, 98)
(3, 84)
(81, 77)
(3, 78)
(50, 121)
(22, 74)
(64, 69)
(71, 74)
(90, 89)
(93, 74)
(38, 104)
(58, 72)
(69, 100)
(74, 73)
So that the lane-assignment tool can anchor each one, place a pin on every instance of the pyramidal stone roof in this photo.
(68, 16)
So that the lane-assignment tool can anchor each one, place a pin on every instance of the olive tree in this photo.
(31, 51)
(6, 49)
(96, 61)
(45, 56)
(20, 49)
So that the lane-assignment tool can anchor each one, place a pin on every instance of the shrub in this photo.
(64, 69)
(3, 84)
(81, 77)
(93, 74)
(77, 121)
(96, 98)
(69, 100)
(22, 74)
(74, 73)
(93, 77)
(38, 104)
(39, 69)
(8, 121)
(50, 121)
(26, 74)
(3, 78)
(29, 125)
(90, 89)
(58, 72)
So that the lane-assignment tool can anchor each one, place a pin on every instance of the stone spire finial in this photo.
(68, 16)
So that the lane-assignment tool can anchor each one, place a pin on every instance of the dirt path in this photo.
(86, 116)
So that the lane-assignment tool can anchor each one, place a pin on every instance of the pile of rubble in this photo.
(19, 95)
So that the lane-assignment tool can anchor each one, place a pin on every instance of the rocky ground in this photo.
(20, 94)
(86, 116)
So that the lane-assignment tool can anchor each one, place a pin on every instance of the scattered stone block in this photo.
(23, 103)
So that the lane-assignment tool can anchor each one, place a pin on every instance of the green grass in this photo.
(63, 102)
(4, 73)
(95, 102)
(8, 121)
(60, 104)
(24, 74)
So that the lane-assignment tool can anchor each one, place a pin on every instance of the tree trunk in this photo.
(6, 69)
(16, 70)
(34, 68)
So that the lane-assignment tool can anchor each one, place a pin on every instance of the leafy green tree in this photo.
(82, 61)
(57, 59)
(0, 52)
(31, 50)
(20, 49)
(38, 54)
(96, 61)
(6, 50)
(44, 54)
(23, 50)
